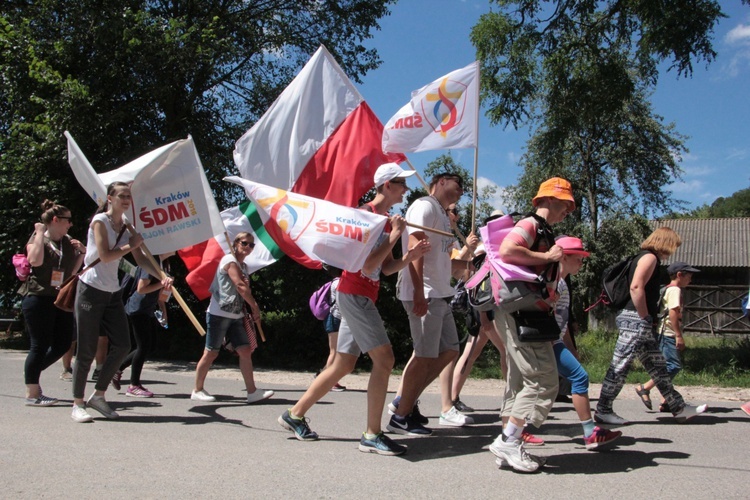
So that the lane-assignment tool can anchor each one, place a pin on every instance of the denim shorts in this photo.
(220, 327)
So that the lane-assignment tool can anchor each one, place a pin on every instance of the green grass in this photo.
(707, 361)
(710, 361)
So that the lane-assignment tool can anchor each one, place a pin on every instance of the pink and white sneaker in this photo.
(138, 391)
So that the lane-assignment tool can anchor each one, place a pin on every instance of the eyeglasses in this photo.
(247, 244)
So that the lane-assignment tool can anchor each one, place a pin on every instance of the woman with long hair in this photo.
(98, 306)
(54, 256)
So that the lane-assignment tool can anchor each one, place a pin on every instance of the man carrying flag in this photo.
(362, 329)
(425, 291)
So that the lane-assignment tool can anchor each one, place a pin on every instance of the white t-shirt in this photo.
(103, 276)
(428, 212)
(223, 289)
(672, 299)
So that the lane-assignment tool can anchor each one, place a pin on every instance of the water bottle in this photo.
(161, 319)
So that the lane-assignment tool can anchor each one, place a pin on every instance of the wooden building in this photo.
(720, 248)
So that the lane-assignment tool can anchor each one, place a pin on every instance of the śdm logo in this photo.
(445, 114)
(292, 216)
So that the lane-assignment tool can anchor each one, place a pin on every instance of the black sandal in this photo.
(644, 395)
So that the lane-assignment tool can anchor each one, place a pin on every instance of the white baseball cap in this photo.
(389, 171)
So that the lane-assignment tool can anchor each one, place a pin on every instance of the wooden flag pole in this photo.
(162, 276)
(257, 320)
(431, 230)
(426, 187)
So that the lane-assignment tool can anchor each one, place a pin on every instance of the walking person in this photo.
(140, 308)
(362, 329)
(230, 291)
(425, 290)
(98, 306)
(568, 362)
(532, 372)
(671, 341)
(637, 325)
(54, 256)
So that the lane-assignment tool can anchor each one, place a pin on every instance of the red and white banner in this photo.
(172, 206)
(440, 115)
(319, 138)
(314, 229)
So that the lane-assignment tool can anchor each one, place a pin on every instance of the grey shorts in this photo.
(435, 332)
(361, 329)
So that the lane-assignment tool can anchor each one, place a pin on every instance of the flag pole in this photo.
(426, 187)
(476, 160)
(431, 230)
(162, 276)
(256, 320)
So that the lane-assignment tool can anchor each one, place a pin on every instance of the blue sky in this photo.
(424, 39)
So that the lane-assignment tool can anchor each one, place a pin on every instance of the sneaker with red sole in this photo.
(601, 439)
(338, 388)
(531, 440)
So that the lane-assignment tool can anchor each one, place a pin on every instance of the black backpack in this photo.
(615, 285)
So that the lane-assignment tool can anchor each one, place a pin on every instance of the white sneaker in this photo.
(258, 395)
(454, 418)
(513, 454)
(80, 414)
(202, 395)
(100, 404)
(688, 412)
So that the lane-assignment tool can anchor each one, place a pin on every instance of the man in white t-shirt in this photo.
(425, 291)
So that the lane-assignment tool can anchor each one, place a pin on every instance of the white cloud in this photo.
(689, 186)
(514, 158)
(498, 200)
(737, 154)
(740, 34)
(699, 171)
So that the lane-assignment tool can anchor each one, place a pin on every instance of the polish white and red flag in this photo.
(319, 138)
(441, 115)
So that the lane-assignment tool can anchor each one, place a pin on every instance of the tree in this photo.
(582, 72)
(737, 205)
(126, 76)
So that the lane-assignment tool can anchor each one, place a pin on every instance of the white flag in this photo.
(310, 229)
(440, 115)
(173, 206)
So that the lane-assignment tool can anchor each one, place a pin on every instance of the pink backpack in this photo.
(23, 268)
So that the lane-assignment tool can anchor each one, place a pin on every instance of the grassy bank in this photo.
(711, 361)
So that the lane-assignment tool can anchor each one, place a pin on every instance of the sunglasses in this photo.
(247, 244)
(402, 182)
(67, 218)
(458, 180)
(454, 211)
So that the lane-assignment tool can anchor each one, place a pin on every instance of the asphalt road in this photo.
(172, 447)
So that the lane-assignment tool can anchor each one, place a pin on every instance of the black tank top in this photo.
(651, 288)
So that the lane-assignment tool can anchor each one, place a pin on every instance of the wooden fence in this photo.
(715, 310)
